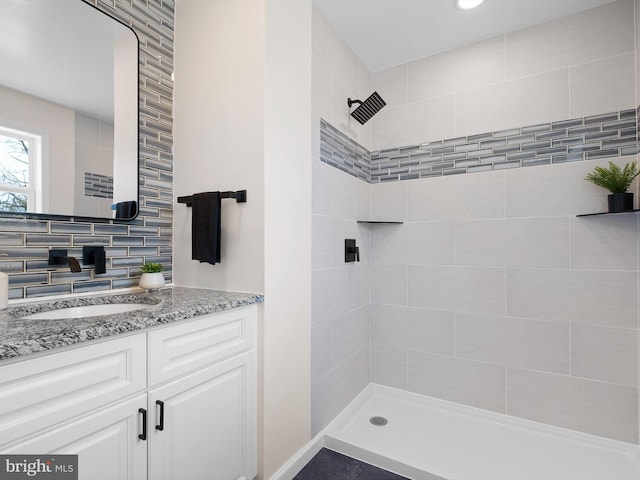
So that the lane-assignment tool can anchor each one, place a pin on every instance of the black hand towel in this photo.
(205, 227)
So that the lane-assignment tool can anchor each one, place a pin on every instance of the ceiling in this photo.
(385, 33)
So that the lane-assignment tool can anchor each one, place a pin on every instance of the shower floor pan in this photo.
(430, 439)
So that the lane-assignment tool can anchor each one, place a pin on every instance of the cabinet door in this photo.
(208, 424)
(106, 443)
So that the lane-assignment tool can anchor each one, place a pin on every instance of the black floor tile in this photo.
(330, 465)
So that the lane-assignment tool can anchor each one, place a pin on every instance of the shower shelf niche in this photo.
(607, 213)
(388, 222)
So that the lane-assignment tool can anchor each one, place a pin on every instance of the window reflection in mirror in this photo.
(68, 109)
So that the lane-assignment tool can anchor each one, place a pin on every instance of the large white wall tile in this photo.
(364, 201)
(334, 291)
(363, 277)
(458, 70)
(391, 84)
(388, 202)
(459, 197)
(389, 284)
(322, 254)
(331, 393)
(422, 243)
(349, 334)
(412, 328)
(540, 242)
(458, 380)
(606, 85)
(458, 289)
(334, 193)
(608, 242)
(607, 354)
(320, 350)
(586, 36)
(585, 405)
(413, 123)
(554, 190)
(519, 102)
(322, 99)
(332, 52)
(513, 342)
(337, 75)
(589, 297)
(389, 366)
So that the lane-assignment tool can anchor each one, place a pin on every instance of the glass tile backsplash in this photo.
(25, 241)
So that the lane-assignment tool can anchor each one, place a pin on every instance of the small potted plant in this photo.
(617, 180)
(151, 277)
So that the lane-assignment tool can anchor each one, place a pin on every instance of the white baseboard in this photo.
(300, 459)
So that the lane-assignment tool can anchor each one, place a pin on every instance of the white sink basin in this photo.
(87, 311)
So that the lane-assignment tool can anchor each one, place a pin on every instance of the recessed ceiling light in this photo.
(467, 4)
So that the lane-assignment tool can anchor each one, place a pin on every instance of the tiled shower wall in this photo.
(26, 239)
(340, 291)
(492, 293)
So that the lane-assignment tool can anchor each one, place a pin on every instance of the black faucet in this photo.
(60, 257)
(95, 255)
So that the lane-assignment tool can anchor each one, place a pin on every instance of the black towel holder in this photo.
(240, 196)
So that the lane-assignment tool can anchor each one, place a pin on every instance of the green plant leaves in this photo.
(151, 268)
(614, 178)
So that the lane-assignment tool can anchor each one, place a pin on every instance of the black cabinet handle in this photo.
(143, 435)
(160, 425)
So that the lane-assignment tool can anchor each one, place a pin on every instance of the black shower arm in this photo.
(351, 102)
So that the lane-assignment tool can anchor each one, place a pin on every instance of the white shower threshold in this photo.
(431, 439)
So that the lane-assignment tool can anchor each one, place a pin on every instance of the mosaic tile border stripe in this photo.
(607, 135)
(339, 151)
(96, 185)
(26, 238)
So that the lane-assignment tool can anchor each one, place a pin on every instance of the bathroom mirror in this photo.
(68, 110)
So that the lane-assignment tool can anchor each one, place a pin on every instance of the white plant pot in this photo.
(152, 281)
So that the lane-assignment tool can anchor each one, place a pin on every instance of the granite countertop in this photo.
(20, 336)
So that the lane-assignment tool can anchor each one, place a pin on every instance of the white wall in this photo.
(219, 136)
(575, 66)
(287, 247)
(242, 110)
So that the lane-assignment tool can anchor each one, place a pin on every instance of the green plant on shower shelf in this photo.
(151, 268)
(614, 178)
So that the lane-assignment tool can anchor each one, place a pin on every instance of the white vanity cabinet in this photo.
(190, 387)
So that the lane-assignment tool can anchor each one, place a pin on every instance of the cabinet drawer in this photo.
(40, 392)
(182, 348)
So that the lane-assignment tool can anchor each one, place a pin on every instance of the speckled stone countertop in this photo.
(20, 336)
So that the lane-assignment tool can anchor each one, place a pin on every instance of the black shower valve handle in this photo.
(351, 251)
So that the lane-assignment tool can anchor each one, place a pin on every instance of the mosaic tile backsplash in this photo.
(26, 239)
(607, 135)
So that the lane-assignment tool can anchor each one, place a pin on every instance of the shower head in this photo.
(368, 108)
